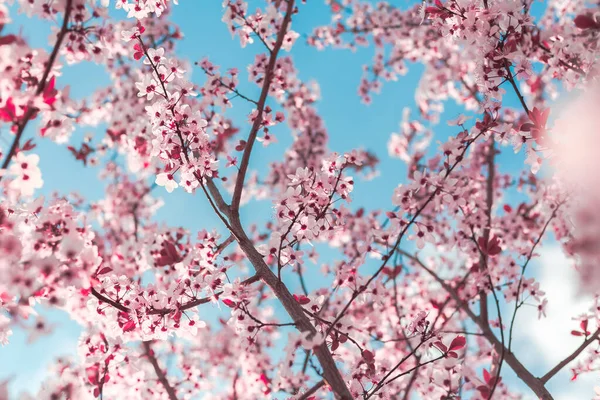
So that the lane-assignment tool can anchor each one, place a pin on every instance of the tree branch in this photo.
(164, 311)
(162, 378)
(489, 202)
(107, 300)
(401, 235)
(571, 357)
(535, 384)
(269, 72)
(294, 309)
(312, 390)
(529, 257)
(41, 86)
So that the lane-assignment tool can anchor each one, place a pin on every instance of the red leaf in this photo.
(302, 299)
(263, 378)
(177, 315)
(482, 244)
(9, 112)
(8, 39)
(129, 326)
(585, 22)
(484, 391)
(441, 346)
(92, 374)
(138, 52)
(168, 254)
(104, 270)
(486, 376)
(229, 303)
(576, 333)
(458, 343)
(368, 356)
(493, 246)
(584, 325)
(335, 344)
(49, 93)
(527, 126)
(507, 208)
(241, 145)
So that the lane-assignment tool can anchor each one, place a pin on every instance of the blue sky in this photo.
(350, 124)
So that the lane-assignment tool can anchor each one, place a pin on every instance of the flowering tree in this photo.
(423, 295)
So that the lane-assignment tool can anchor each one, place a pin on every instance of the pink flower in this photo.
(419, 324)
(155, 57)
(166, 180)
(148, 87)
(71, 245)
(28, 176)
(542, 308)
(289, 39)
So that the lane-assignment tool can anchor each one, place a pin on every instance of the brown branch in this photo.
(312, 390)
(303, 324)
(162, 378)
(383, 382)
(107, 300)
(220, 248)
(293, 308)
(217, 206)
(222, 206)
(571, 357)
(269, 72)
(164, 311)
(534, 383)
(41, 86)
(489, 202)
(416, 367)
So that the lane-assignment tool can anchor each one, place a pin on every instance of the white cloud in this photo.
(541, 344)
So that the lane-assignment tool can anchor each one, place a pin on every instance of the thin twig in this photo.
(41, 86)
(312, 390)
(364, 287)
